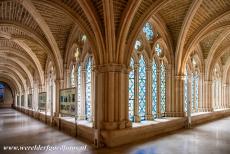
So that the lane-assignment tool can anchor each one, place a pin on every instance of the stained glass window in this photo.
(131, 91)
(2, 92)
(137, 45)
(148, 30)
(192, 92)
(72, 77)
(142, 88)
(196, 91)
(163, 88)
(158, 49)
(154, 89)
(88, 89)
(186, 91)
(79, 89)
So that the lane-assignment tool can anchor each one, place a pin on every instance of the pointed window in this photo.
(163, 88)
(88, 90)
(142, 88)
(148, 30)
(154, 88)
(131, 90)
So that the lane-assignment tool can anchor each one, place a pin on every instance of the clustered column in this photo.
(59, 85)
(111, 97)
(179, 99)
(136, 91)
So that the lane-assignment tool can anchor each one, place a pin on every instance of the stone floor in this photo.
(20, 130)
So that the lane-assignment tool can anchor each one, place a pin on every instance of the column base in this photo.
(137, 118)
(116, 125)
(205, 109)
(209, 109)
(128, 124)
(149, 117)
(175, 114)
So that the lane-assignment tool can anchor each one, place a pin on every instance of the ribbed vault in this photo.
(33, 33)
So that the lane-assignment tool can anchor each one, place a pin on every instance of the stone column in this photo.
(228, 97)
(158, 92)
(92, 93)
(111, 95)
(31, 91)
(52, 98)
(136, 91)
(35, 96)
(223, 85)
(225, 95)
(26, 98)
(201, 107)
(168, 90)
(66, 76)
(16, 100)
(148, 114)
(209, 96)
(205, 101)
(59, 85)
(83, 92)
(179, 89)
(20, 95)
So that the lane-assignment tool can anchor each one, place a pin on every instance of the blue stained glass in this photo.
(2, 87)
(186, 91)
(154, 89)
(79, 90)
(142, 88)
(148, 30)
(196, 91)
(131, 91)
(192, 92)
(158, 49)
(163, 88)
(88, 89)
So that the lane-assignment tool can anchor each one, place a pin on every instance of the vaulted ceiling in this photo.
(33, 32)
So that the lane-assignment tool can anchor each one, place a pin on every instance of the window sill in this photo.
(155, 121)
(78, 122)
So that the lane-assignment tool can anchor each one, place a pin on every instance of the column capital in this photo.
(36, 81)
(65, 66)
(209, 82)
(148, 67)
(136, 66)
(59, 80)
(19, 1)
(111, 68)
(180, 77)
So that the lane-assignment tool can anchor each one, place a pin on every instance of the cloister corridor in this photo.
(19, 129)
